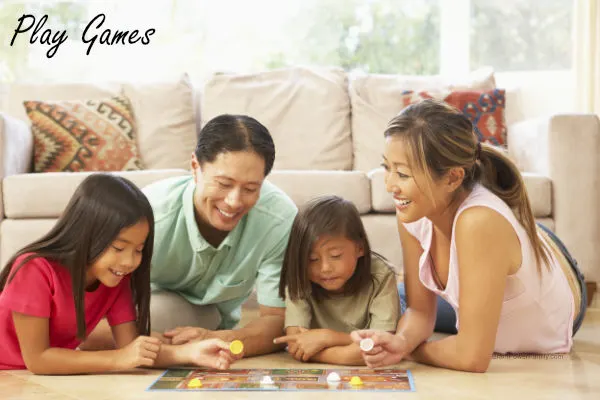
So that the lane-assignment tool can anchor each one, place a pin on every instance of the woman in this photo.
(468, 235)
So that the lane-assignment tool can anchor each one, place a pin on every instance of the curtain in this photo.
(587, 55)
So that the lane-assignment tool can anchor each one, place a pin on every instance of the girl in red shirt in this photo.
(93, 264)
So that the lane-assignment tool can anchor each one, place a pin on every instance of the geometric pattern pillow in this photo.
(84, 135)
(485, 109)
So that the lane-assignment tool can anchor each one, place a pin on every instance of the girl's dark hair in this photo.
(226, 133)
(440, 137)
(102, 205)
(323, 216)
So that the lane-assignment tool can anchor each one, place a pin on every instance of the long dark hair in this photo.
(102, 205)
(440, 137)
(229, 132)
(325, 215)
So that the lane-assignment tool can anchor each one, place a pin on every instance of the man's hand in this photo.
(163, 339)
(302, 346)
(388, 348)
(186, 334)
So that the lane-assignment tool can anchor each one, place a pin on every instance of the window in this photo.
(204, 36)
(521, 35)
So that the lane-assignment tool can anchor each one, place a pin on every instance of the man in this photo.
(219, 234)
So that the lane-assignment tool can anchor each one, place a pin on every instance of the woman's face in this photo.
(228, 187)
(406, 184)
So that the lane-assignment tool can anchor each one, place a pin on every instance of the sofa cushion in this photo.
(306, 110)
(302, 186)
(484, 108)
(21, 92)
(84, 135)
(16, 146)
(18, 233)
(46, 195)
(166, 118)
(164, 112)
(376, 99)
(35, 195)
(539, 189)
(382, 231)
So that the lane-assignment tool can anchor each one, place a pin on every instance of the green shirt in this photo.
(375, 306)
(184, 262)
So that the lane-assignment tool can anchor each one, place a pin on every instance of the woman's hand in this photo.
(388, 348)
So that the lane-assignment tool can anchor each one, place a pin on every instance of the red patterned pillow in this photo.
(84, 135)
(485, 109)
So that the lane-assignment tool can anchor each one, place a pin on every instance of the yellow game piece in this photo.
(236, 347)
(195, 383)
(356, 381)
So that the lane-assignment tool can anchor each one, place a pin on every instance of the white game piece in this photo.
(367, 344)
(333, 377)
(266, 380)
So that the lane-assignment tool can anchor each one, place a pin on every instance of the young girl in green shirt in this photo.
(333, 284)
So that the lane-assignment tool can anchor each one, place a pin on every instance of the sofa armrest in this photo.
(16, 146)
(566, 148)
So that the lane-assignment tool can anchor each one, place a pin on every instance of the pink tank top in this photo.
(537, 312)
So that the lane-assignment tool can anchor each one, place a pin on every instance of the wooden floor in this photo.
(572, 376)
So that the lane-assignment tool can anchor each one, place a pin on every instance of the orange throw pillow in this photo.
(84, 135)
(485, 109)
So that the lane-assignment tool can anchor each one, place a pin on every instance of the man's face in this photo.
(228, 187)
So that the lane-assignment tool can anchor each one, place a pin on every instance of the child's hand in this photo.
(163, 339)
(212, 353)
(141, 352)
(388, 348)
(182, 335)
(302, 346)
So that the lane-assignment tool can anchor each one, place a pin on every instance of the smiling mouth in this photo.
(226, 214)
(117, 273)
(401, 203)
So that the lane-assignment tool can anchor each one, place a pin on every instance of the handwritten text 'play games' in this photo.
(92, 34)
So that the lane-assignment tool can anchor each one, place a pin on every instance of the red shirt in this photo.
(42, 288)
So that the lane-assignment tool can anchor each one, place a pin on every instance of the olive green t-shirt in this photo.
(376, 306)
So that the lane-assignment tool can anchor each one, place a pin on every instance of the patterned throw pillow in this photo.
(84, 135)
(485, 109)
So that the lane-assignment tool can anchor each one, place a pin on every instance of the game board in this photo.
(285, 379)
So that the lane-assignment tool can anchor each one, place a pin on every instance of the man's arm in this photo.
(258, 334)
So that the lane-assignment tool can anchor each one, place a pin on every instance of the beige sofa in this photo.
(327, 128)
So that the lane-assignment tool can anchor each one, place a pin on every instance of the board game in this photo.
(284, 380)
